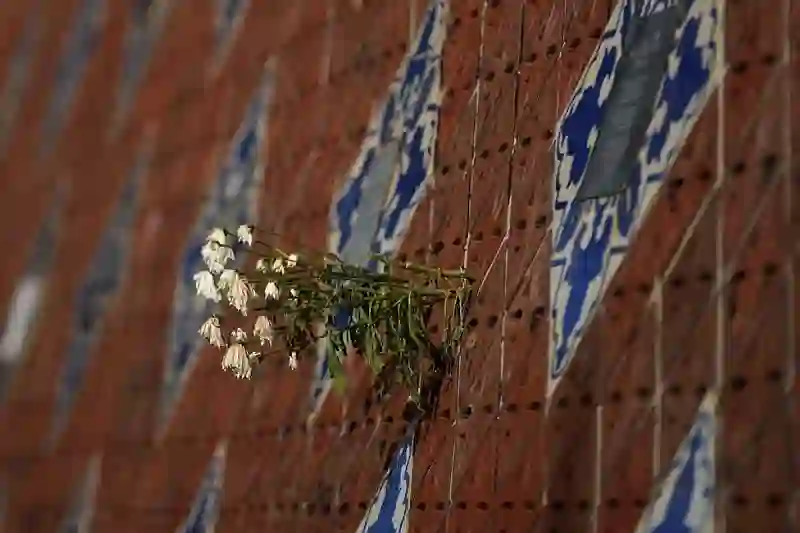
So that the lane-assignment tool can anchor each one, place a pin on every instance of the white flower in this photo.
(293, 361)
(211, 331)
(245, 234)
(272, 291)
(238, 335)
(293, 292)
(218, 235)
(237, 361)
(239, 292)
(261, 266)
(292, 261)
(227, 279)
(206, 286)
(216, 256)
(278, 267)
(263, 329)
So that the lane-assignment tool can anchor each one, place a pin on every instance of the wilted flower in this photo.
(211, 331)
(245, 234)
(278, 267)
(206, 286)
(237, 361)
(239, 292)
(263, 329)
(218, 235)
(293, 361)
(293, 292)
(238, 335)
(272, 291)
(291, 262)
(261, 266)
(216, 256)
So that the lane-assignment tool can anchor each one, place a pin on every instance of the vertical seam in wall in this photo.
(720, 354)
(467, 241)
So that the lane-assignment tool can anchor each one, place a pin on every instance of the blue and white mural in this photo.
(18, 72)
(29, 293)
(390, 508)
(96, 295)
(147, 21)
(81, 511)
(82, 41)
(203, 514)
(228, 19)
(373, 208)
(684, 501)
(232, 201)
(591, 234)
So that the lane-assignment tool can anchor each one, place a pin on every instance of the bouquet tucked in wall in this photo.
(288, 302)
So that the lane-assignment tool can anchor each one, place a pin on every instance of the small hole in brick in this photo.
(512, 408)
(351, 427)
(526, 141)
(575, 43)
(706, 276)
(508, 505)
(770, 269)
(478, 237)
(446, 413)
(529, 505)
(705, 175)
(676, 183)
(700, 390)
(534, 406)
(619, 292)
(640, 503)
(494, 3)
(497, 231)
(457, 241)
(540, 221)
(530, 58)
(326, 509)
(517, 314)
(563, 403)
(677, 282)
(483, 506)
(440, 506)
(769, 163)
(738, 167)
(492, 321)
(551, 50)
(456, 22)
(466, 412)
(438, 246)
(484, 154)
(586, 399)
(489, 76)
(774, 500)
(462, 164)
(422, 506)
(488, 408)
(547, 135)
(474, 13)
(509, 68)
(402, 257)
(739, 500)
(612, 503)
(739, 67)
(674, 389)
(310, 509)
(503, 148)
(583, 505)
(738, 276)
(557, 505)
(473, 322)
(644, 288)
(521, 224)
(435, 328)
(616, 396)
(643, 392)
(770, 59)
(461, 505)
(774, 375)
(445, 170)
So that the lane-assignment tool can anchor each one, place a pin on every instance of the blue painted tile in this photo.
(389, 178)
(205, 509)
(82, 41)
(29, 292)
(145, 26)
(81, 511)
(232, 201)
(591, 237)
(96, 295)
(684, 501)
(18, 73)
(390, 507)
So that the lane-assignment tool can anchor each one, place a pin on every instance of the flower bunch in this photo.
(293, 301)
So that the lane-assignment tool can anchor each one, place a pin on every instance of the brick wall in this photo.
(704, 299)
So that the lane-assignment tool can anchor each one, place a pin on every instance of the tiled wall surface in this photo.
(684, 375)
